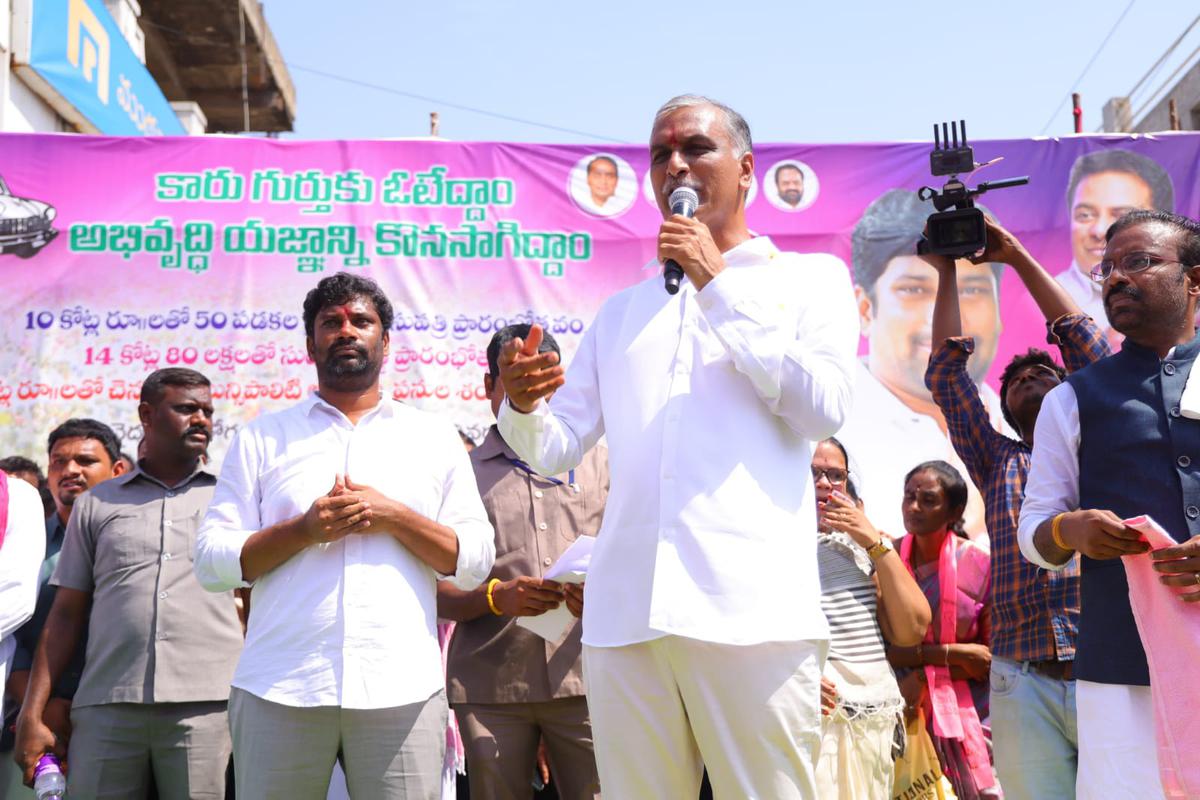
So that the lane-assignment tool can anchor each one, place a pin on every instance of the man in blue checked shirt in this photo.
(1035, 612)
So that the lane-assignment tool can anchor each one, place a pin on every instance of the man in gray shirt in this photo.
(162, 650)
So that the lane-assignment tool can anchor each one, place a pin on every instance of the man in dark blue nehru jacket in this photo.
(1118, 439)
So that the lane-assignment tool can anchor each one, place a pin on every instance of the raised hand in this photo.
(529, 376)
(1002, 247)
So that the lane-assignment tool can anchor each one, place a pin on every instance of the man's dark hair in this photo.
(83, 428)
(953, 485)
(17, 464)
(1149, 171)
(340, 288)
(792, 167)
(890, 227)
(152, 387)
(1031, 357)
(506, 335)
(1189, 231)
(602, 158)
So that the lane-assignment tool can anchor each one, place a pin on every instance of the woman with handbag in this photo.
(946, 675)
(867, 595)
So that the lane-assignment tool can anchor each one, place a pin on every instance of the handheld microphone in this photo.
(683, 202)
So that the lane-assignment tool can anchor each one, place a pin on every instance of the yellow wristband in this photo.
(1056, 533)
(491, 600)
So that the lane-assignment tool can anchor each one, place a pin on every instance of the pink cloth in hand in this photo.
(1170, 633)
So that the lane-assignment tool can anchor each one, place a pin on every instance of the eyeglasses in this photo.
(1137, 262)
(831, 474)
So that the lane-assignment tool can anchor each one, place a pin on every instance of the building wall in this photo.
(25, 112)
(1186, 94)
(21, 110)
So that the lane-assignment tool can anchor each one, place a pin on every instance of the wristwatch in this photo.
(880, 548)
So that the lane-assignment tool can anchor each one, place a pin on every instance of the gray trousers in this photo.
(115, 746)
(287, 753)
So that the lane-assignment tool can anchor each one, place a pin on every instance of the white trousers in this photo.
(1118, 759)
(664, 710)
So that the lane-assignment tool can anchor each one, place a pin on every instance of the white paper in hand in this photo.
(571, 567)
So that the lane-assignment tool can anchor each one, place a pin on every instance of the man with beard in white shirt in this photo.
(341, 511)
(703, 633)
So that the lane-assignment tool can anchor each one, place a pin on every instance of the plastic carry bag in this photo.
(918, 772)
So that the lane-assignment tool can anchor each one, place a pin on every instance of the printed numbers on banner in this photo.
(187, 355)
(42, 319)
(102, 355)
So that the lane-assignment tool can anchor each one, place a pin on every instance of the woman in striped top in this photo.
(867, 596)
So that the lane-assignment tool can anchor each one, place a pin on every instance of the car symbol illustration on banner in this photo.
(25, 225)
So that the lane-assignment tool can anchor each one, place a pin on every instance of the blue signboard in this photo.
(77, 48)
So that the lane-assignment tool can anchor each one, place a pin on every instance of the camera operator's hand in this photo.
(943, 264)
(1002, 246)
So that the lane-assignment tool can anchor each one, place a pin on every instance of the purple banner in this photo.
(127, 255)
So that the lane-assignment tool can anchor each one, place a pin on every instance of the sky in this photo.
(798, 71)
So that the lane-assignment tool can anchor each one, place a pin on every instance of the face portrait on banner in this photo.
(1104, 186)
(791, 186)
(201, 247)
(894, 423)
(603, 184)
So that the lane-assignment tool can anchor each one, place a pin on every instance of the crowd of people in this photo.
(350, 590)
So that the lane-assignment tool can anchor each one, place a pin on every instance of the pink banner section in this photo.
(125, 255)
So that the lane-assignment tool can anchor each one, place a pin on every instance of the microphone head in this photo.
(684, 201)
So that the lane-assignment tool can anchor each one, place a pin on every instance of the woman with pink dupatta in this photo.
(947, 674)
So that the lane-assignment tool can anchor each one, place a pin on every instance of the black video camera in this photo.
(957, 228)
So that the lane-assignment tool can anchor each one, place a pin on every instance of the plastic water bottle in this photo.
(49, 783)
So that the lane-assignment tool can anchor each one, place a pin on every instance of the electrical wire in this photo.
(201, 39)
(459, 106)
(1162, 58)
(1166, 85)
(1083, 74)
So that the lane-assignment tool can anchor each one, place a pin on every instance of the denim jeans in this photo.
(1035, 740)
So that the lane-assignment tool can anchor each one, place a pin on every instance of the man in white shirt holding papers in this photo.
(341, 512)
(702, 630)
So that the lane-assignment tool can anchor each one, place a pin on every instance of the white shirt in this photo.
(350, 623)
(21, 556)
(886, 439)
(1053, 484)
(710, 402)
(1086, 293)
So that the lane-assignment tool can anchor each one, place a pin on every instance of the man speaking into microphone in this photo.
(702, 629)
